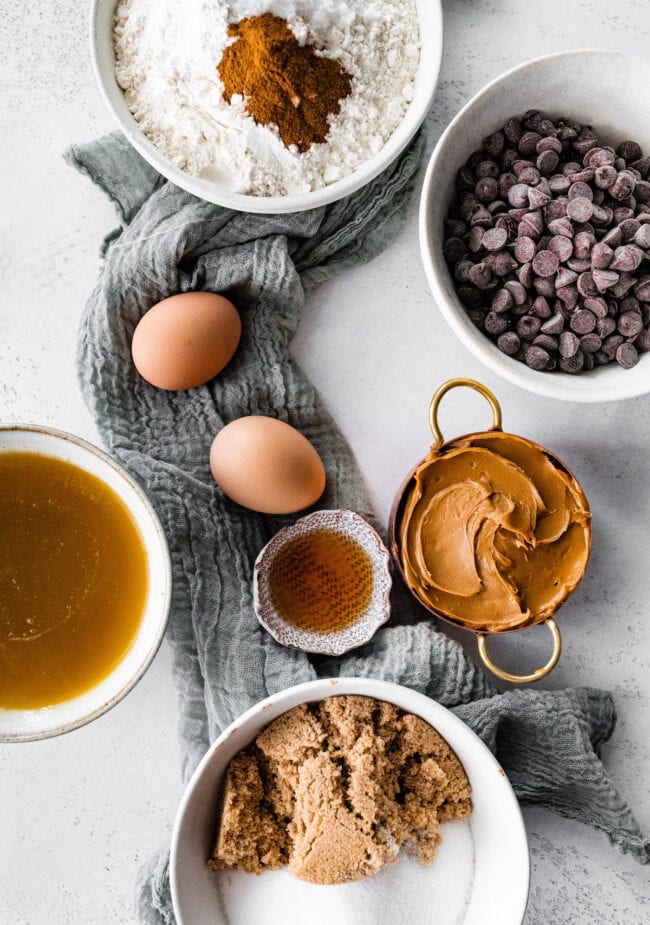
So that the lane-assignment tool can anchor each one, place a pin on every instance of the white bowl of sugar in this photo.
(166, 55)
(480, 876)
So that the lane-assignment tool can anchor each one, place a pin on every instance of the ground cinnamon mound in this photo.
(283, 83)
(334, 789)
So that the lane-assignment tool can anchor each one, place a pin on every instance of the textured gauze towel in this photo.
(223, 662)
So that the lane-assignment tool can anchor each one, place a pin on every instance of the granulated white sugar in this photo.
(401, 892)
(166, 61)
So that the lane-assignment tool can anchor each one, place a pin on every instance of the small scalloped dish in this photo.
(323, 584)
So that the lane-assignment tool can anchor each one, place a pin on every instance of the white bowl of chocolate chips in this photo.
(535, 226)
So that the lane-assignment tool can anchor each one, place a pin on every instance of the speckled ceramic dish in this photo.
(597, 88)
(353, 527)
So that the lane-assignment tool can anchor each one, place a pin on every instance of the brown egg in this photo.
(267, 465)
(184, 341)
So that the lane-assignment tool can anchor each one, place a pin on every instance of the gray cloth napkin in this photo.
(223, 662)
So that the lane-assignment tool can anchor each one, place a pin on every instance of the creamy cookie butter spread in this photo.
(494, 533)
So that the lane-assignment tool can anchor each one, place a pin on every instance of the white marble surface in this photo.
(79, 814)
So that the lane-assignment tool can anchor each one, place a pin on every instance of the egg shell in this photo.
(267, 465)
(185, 340)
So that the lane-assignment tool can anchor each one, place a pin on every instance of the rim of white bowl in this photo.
(550, 385)
(293, 202)
(165, 592)
(457, 733)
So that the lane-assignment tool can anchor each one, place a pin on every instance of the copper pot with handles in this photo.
(491, 532)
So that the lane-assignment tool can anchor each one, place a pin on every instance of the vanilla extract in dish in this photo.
(73, 580)
(321, 581)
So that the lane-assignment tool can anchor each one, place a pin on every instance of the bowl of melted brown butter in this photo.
(491, 532)
(85, 583)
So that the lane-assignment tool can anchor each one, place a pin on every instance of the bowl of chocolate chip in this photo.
(535, 226)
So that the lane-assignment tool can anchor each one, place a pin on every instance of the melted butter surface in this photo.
(494, 533)
(73, 580)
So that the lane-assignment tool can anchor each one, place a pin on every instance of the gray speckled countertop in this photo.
(80, 813)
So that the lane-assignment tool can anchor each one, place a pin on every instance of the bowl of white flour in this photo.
(156, 64)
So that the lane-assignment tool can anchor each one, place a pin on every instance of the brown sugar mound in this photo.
(283, 83)
(334, 789)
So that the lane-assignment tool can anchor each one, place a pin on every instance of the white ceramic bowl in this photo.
(598, 88)
(27, 725)
(223, 193)
(499, 890)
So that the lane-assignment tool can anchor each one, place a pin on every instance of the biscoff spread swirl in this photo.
(494, 532)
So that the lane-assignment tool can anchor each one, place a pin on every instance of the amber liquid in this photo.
(73, 580)
(321, 581)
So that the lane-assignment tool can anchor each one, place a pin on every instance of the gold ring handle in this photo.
(524, 678)
(455, 384)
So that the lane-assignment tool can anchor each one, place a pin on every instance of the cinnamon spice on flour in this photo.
(282, 82)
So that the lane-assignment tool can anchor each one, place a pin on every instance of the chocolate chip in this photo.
(528, 327)
(513, 130)
(509, 343)
(604, 279)
(605, 327)
(540, 308)
(597, 306)
(517, 291)
(627, 356)
(590, 343)
(642, 342)
(547, 161)
(583, 321)
(495, 323)
(580, 190)
(518, 195)
(642, 237)
(537, 198)
(502, 301)
(494, 239)
(601, 256)
(599, 157)
(580, 209)
(525, 249)
(612, 343)
(572, 364)
(536, 357)
(546, 341)
(569, 344)
(628, 257)
(528, 143)
(495, 143)
(545, 263)
(582, 245)
(629, 151)
(630, 324)
(565, 277)
(554, 325)
(480, 275)
(560, 184)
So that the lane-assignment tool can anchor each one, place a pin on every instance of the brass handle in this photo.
(454, 384)
(524, 678)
